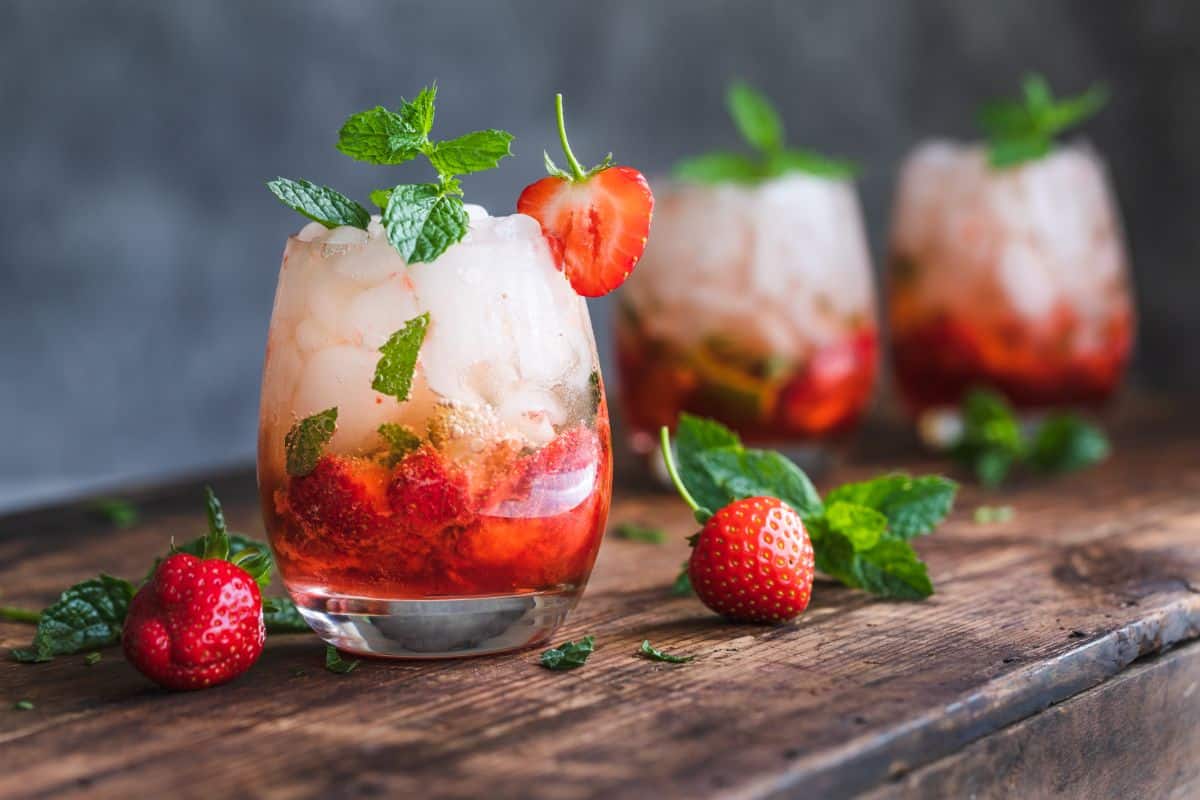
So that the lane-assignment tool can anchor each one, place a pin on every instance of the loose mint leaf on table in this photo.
(654, 654)
(756, 119)
(119, 512)
(1024, 130)
(635, 532)
(92, 659)
(719, 168)
(892, 569)
(307, 438)
(394, 371)
(281, 616)
(422, 221)
(23, 705)
(986, 515)
(319, 203)
(569, 655)
(336, 663)
(379, 136)
(863, 526)
(471, 152)
(912, 506)
(86, 616)
(1064, 443)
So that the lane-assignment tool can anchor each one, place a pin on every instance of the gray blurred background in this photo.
(139, 249)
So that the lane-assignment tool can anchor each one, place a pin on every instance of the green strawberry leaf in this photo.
(379, 136)
(756, 119)
(1064, 443)
(471, 152)
(86, 616)
(654, 654)
(319, 203)
(569, 655)
(307, 438)
(719, 168)
(422, 221)
(216, 543)
(912, 506)
(394, 371)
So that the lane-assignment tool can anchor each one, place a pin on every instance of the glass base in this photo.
(442, 628)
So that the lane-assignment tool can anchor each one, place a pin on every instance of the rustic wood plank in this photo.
(1095, 571)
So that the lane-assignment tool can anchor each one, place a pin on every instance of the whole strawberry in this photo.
(753, 562)
(198, 622)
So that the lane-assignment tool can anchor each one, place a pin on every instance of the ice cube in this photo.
(346, 234)
(313, 231)
(1027, 280)
(375, 314)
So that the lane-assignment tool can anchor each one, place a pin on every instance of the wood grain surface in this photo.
(1068, 607)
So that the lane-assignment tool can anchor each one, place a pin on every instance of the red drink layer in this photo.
(761, 398)
(428, 526)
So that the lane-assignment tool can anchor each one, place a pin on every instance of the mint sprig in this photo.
(761, 127)
(86, 616)
(993, 441)
(394, 371)
(306, 439)
(421, 220)
(1024, 130)
(860, 531)
(569, 655)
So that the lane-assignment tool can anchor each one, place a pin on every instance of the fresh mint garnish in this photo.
(1024, 130)
(86, 616)
(319, 203)
(23, 705)
(761, 128)
(654, 654)
(401, 441)
(307, 438)
(394, 372)
(335, 663)
(569, 655)
(987, 515)
(120, 513)
(993, 441)
(859, 531)
(421, 220)
(92, 659)
(280, 615)
(634, 532)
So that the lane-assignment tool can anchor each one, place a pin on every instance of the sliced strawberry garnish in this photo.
(596, 221)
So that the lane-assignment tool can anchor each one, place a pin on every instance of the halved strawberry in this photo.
(595, 221)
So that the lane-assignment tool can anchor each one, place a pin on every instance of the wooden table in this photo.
(1057, 658)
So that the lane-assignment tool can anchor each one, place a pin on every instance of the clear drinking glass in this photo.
(478, 533)
(753, 305)
(1014, 278)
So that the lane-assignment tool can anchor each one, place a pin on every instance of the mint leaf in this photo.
(280, 615)
(654, 654)
(401, 441)
(634, 532)
(719, 168)
(86, 616)
(986, 515)
(319, 203)
(569, 655)
(1023, 131)
(422, 221)
(23, 705)
(380, 197)
(892, 569)
(863, 527)
(119, 512)
(471, 152)
(394, 372)
(306, 439)
(335, 663)
(739, 473)
(379, 136)
(755, 118)
(418, 114)
(991, 441)
(811, 163)
(693, 437)
(1064, 443)
(912, 506)
(1010, 152)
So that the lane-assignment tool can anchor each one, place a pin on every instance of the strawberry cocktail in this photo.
(1007, 265)
(434, 453)
(754, 304)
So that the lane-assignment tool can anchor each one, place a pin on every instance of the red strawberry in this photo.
(753, 562)
(428, 493)
(198, 622)
(574, 449)
(596, 221)
(342, 497)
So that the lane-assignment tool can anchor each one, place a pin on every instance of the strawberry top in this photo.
(596, 221)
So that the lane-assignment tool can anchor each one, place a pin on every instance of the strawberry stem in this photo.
(14, 614)
(576, 169)
(702, 514)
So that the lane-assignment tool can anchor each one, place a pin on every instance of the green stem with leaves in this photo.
(702, 514)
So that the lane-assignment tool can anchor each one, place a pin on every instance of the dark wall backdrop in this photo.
(139, 249)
